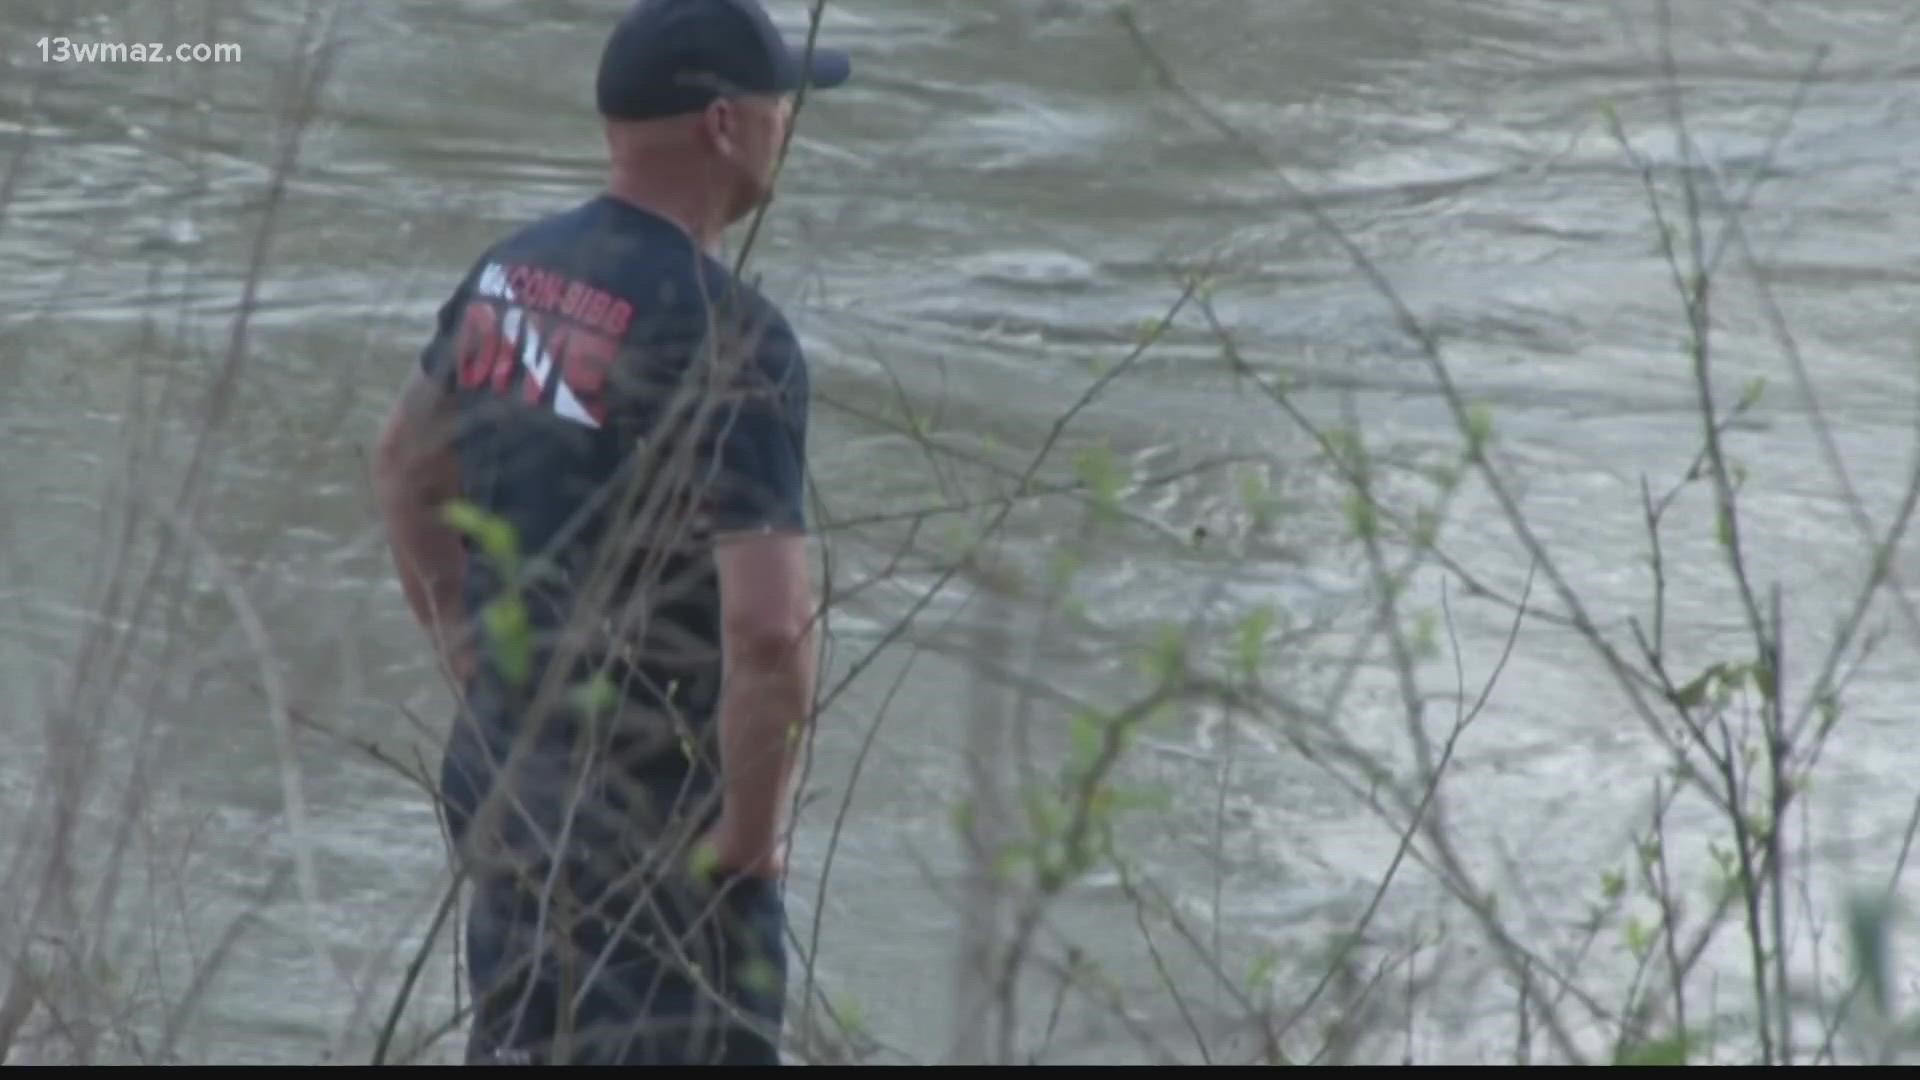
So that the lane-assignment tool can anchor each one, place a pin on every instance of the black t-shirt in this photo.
(621, 397)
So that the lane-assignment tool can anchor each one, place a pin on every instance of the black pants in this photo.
(578, 970)
(618, 957)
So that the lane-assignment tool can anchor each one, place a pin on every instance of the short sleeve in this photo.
(761, 438)
(439, 359)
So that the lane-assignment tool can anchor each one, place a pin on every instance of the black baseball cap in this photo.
(673, 56)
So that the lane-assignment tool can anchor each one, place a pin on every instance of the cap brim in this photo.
(829, 67)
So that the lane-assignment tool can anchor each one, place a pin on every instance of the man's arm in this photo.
(766, 600)
(767, 645)
(415, 474)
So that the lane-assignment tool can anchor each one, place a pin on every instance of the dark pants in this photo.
(621, 957)
(673, 974)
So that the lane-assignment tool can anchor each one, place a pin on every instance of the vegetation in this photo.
(1719, 932)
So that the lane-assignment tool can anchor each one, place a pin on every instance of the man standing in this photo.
(593, 488)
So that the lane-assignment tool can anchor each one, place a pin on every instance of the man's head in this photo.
(712, 82)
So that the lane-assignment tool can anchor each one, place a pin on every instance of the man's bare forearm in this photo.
(416, 474)
(431, 562)
(763, 710)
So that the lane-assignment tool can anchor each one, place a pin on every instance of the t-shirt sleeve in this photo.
(439, 359)
(761, 438)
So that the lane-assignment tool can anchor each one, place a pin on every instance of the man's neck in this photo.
(691, 210)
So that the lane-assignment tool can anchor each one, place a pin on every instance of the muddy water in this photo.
(979, 228)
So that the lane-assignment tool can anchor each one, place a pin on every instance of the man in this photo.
(593, 489)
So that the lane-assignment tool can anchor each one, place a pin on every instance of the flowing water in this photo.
(979, 227)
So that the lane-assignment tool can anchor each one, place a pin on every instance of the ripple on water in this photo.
(1029, 269)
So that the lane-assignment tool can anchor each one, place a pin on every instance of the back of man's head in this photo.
(698, 93)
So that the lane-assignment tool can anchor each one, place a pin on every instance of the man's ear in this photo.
(721, 122)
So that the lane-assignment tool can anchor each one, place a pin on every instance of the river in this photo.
(980, 225)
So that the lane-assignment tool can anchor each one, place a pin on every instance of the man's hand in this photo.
(733, 850)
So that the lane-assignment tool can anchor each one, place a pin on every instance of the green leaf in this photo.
(494, 535)
(1829, 708)
(1101, 802)
(963, 817)
(1256, 495)
(1164, 717)
(1253, 640)
(1613, 884)
(1008, 861)
(1097, 470)
(702, 861)
(1722, 857)
(1361, 517)
(1085, 731)
(1062, 567)
(1264, 966)
(1426, 527)
(1426, 634)
(957, 537)
(1167, 656)
(1669, 1051)
(757, 976)
(848, 1012)
(1144, 798)
(1726, 889)
(1344, 445)
(512, 637)
(1044, 815)
(1639, 939)
(1751, 396)
(1479, 427)
(1710, 683)
(597, 695)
